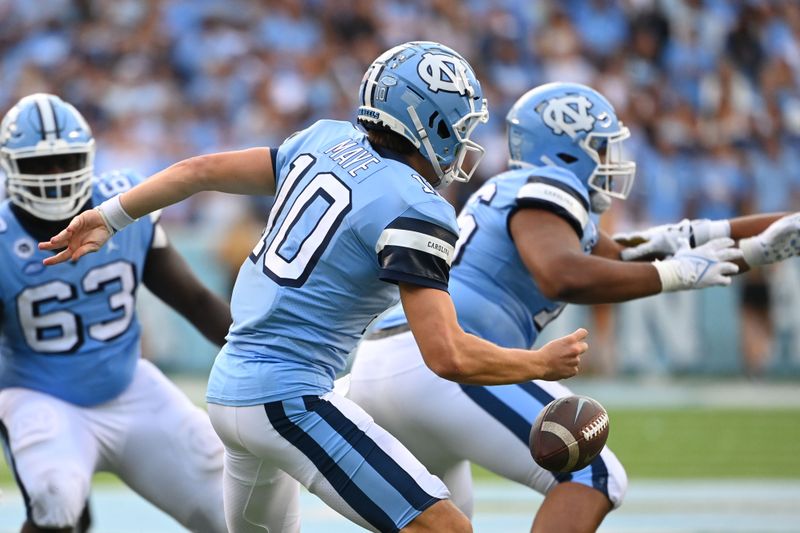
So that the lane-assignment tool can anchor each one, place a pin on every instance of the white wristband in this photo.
(669, 276)
(752, 251)
(114, 215)
(707, 230)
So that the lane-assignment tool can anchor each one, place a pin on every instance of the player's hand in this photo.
(663, 241)
(696, 268)
(86, 233)
(658, 241)
(781, 240)
(562, 357)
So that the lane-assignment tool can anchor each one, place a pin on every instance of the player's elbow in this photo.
(566, 285)
(444, 361)
(194, 173)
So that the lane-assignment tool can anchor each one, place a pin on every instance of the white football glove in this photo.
(697, 268)
(781, 240)
(666, 239)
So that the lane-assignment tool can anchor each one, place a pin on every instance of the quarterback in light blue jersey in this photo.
(356, 226)
(75, 396)
(529, 243)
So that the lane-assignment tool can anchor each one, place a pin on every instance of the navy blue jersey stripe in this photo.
(372, 453)
(399, 263)
(599, 474)
(500, 411)
(13, 465)
(562, 186)
(273, 154)
(537, 203)
(423, 226)
(338, 478)
(541, 395)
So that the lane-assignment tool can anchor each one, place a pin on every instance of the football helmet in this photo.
(572, 126)
(47, 154)
(427, 93)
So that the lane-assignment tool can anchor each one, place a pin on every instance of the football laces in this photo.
(593, 428)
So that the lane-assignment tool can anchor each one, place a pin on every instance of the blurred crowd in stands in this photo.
(709, 88)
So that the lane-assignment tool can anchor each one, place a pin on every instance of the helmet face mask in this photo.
(428, 94)
(47, 153)
(574, 127)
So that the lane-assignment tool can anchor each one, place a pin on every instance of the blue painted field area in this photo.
(729, 506)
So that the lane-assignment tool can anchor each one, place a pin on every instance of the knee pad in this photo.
(57, 499)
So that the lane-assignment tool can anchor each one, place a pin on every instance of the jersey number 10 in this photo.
(289, 260)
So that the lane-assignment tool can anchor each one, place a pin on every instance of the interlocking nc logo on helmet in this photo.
(444, 73)
(568, 114)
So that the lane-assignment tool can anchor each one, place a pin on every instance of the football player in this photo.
(75, 395)
(355, 216)
(529, 243)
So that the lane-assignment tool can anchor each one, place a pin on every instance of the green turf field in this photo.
(689, 443)
(705, 443)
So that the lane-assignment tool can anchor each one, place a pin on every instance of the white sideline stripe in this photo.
(543, 191)
(416, 241)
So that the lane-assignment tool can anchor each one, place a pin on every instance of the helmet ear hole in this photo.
(442, 130)
(567, 158)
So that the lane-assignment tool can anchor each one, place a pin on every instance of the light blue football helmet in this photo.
(572, 126)
(427, 93)
(47, 154)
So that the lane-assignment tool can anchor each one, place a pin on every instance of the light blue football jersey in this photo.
(495, 295)
(348, 223)
(70, 330)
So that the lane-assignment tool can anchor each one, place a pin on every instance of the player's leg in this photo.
(574, 502)
(258, 495)
(438, 420)
(52, 452)
(335, 449)
(585, 507)
(408, 400)
(165, 449)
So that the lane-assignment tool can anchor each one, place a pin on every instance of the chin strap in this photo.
(444, 177)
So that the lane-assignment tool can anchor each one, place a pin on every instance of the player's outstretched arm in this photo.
(240, 172)
(458, 356)
(781, 240)
(552, 252)
(168, 276)
(662, 241)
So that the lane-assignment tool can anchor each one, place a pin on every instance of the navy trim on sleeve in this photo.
(395, 277)
(416, 251)
(273, 154)
(531, 203)
(423, 226)
(561, 185)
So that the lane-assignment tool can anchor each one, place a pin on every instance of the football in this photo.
(569, 433)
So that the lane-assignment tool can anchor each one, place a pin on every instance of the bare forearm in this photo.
(748, 226)
(458, 356)
(209, 314)
(168, 187)
(480, 362)
(240, 172)
(168, 276)
(586, 279)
